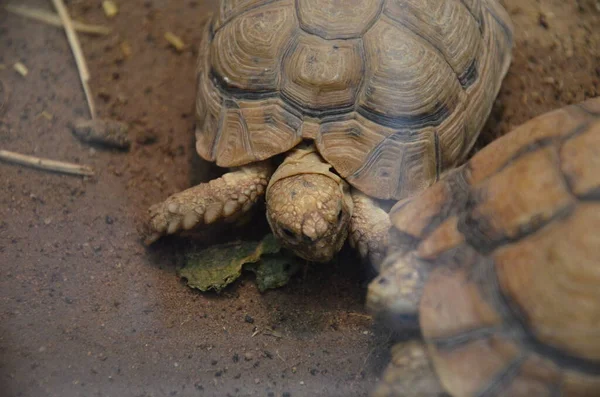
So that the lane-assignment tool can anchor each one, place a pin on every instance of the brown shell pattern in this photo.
(512, 305)
(392, 91)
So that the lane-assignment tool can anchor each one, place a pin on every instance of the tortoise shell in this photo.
(510, 305)
(391, 91)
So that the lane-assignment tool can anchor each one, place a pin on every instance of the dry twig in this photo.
(45, 164)
(54, 20)
(77, 53)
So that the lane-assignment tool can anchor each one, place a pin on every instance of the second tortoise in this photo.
(499, 264)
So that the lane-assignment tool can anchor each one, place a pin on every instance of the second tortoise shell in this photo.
(393, 92)
(508, 256)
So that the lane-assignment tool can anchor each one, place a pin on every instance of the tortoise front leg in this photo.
(409, 374)
(225, 198)
(369, 228)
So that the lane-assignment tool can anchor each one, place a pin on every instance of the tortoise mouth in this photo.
(311, 257)
(321, 250)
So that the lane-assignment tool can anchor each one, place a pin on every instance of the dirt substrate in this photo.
(87, 310)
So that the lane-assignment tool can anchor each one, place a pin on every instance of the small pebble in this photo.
(249, 319)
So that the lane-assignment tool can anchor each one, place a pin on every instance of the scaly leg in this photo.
(225, 198)
(409, 374)
(369, 228)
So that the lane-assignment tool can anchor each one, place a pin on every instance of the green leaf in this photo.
(274, 271)
(216, 267)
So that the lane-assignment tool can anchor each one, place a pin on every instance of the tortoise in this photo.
(331, 110)
(498, 266)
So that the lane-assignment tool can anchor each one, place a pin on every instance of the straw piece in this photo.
(45, 164)
(54, 20)
(110, 8)
(77, 53)
(21, 69)
(175, 41)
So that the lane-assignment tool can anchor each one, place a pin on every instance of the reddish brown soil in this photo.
(87, 310)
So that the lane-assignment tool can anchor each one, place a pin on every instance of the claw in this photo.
(212, 213)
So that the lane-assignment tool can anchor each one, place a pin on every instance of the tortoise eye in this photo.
(288, 232)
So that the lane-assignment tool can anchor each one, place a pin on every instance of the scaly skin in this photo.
(395, 293)
(409, 374)
(369, 228)
(226, 198)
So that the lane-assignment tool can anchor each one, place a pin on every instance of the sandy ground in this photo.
(87, 310)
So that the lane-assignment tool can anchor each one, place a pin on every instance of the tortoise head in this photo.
(309, 214)
(308, 207)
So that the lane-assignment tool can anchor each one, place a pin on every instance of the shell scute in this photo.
(245, 53)
(553, 278)
(580, 160)
(333, 19)
(500, 215)
(456, 372)
(536, 376)
(271, 125)
(449, 27)
(322, 75)
(409, 85)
